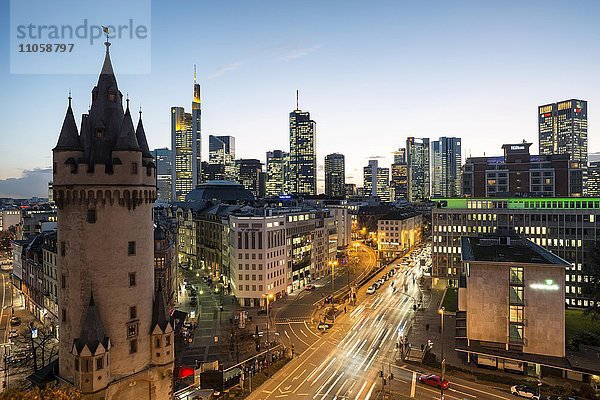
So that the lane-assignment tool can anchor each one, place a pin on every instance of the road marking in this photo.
(341, 387)
(480, 391)
(370, 391)
(302, 332)
(361, 389)
(286, 334)
(332, 386)
(413, 384)
(463, 393)
(310, 331)
(300, 339)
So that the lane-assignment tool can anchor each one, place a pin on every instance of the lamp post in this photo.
(333, 264)
(268, 296)
(441, 311)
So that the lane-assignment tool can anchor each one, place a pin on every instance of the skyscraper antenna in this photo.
(297, 107)
(194, 73)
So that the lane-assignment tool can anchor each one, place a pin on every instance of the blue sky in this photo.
(371, 74)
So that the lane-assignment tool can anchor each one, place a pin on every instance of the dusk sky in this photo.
(371, 73)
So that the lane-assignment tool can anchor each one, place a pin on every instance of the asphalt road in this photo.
(345, 362)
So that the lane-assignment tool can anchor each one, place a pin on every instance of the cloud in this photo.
(224, 69)
(300, 52)
(377, 157)
(349, 176)
(32, 183)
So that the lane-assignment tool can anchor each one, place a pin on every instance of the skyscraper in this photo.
(399, 181)
(277, 173)
(417, 159)
(303, 158)
(593, 179)
(248, 173)
(116, 341)
(163, 158)
(563, 129)
(221, 152)
(376, 181)
(186, 140)
(400, 156)
(446, 167)
(335, 175)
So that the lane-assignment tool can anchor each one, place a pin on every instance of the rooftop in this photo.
(506, 249)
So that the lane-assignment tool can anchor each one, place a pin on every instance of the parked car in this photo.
(433, 380)
(524, 391)
(376, 285)
(309, 287)
(371, 289)
(13, 334)
(193, 300)
(323, 326)
(14, 321)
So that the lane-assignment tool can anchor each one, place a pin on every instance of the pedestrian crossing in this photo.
(288, 320)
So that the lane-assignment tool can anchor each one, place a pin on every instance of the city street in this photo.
(346, 362)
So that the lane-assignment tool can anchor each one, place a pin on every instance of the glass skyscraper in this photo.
(417, 159)
(446, 167)
(563, 129)
(186, 140)
(277, 173)
(221, 152)
(163, 158)
(303, 158)
(335, 171)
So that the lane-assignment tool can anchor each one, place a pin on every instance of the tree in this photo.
(50, 392)
(591, 288)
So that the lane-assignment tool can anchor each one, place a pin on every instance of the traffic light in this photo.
(380, 373)
(257, 346)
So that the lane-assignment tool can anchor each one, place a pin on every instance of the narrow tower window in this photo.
(91, 216)
(131, 249)
(132, 281)
(134, 168)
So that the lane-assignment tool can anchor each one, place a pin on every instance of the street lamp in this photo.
(333, 264)
(269, 297)
(441, 312)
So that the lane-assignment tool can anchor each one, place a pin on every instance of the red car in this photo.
(433, 380)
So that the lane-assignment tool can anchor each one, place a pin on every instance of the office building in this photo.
(221, 157)
(397, 232)
(376, 181)
(116, 340)
(417, 159)
(517, 173)
(277, 173)
(163, 158)
(563, 129)
(248, 173)
(400, 156)
(303, 157)
(186, 141)
(593, 179)
(399, 181)
(446, 167)
(568, 227)
(335, 175)
(351, 190)
(511, 303)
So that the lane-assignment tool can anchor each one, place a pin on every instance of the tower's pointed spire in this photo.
(127, 139)
(159, 310)
(196, 101)
(140, 135)
(297, 99)
(69, 135)
(194, 73)
(92, 331)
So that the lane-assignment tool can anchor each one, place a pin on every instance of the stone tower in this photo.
(116, 341)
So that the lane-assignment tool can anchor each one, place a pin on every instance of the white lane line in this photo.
(341, 387)
(361, 389)
(413, 384)
(480, 391)
(310, 331)
(286, 334)
(299, 338)
(462, 393)
(322, 372)
(333, 385)
(318, 392)
(370, 391)
(302, 332)
(316, 369)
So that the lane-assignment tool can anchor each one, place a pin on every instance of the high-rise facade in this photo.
(221, 154)
(116, 341)
(248, 173)
(446, 167)
(563, 129)
(335, 175)
(417, 160)
(593, 179)
(186, 141)
(163, 159)
(277, 173)
(400, 156)
(376, 181)
(399, 181)
(303, 157)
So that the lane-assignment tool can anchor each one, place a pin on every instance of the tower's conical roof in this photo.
(127, 139)
(92, 331)
(159, 310)
(140, 135)
(69, 135)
